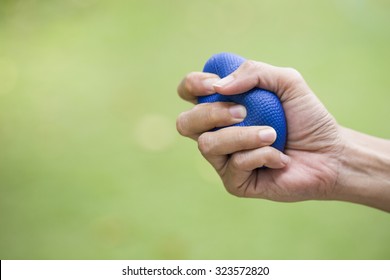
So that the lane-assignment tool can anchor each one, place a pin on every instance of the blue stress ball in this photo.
(263, 107)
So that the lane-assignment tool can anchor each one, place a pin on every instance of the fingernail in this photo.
(225, 81)
(284, 158)
(267, 135)
(208, 84)
(238, 111)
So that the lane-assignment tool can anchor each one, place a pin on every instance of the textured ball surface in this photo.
(263, 107)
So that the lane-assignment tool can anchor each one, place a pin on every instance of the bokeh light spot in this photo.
(8, 75)
(155, 132)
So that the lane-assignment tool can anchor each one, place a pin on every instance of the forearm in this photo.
(364, 172)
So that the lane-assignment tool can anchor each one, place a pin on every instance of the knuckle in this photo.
(269, 155)
(181, 124)
(251, 64)
(189, 81)
(268, 152)
(205, 143)
(241, 135)
(212, 113)
(238, 160)
(293, 74)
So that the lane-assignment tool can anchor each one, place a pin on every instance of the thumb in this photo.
(250, 74)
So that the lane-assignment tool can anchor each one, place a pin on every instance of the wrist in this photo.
(364, 172)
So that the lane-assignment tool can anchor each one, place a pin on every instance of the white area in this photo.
(279, 270)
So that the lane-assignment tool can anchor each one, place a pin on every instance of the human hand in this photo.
(309, 167)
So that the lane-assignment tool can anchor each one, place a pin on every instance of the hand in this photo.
(308, 169)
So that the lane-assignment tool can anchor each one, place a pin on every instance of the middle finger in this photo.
(206, 116)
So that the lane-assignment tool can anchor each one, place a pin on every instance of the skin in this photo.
(322, 160)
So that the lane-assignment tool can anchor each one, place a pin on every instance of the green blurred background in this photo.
(91, 165)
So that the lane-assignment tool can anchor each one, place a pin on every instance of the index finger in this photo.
(197, 84)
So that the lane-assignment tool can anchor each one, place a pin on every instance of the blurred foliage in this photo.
(91, 166)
